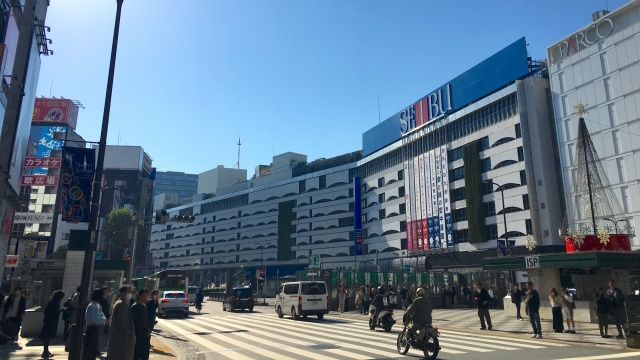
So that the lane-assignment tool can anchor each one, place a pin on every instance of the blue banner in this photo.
(76, 176)
(46, 143)
(357, 216)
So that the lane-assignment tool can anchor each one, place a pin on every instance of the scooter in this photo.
(385, 319)
(425, 340)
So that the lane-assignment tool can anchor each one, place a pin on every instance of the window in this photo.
(351, 206)
(487, 188)
(291, 289)
(314, 288)
(525, 202)
(381, 198)
(188, 252)
(365, 218)
(380, 182)
(456, 174)
(122, 183)
(323, 181)
(401, 192)
(403, 226)
(484, 144)
(490, 208)
(460, 236)
(459, 215)
(345, 221)
(520, 153)
(351, 192)
(403, 244)
(400, 174)
(403, 208)
(485, 164)
(302, 186)
(529, 226)
(455, 154)
(518, 131)
(382, 213)
(457, 194)
(523, 177)
(492, 230)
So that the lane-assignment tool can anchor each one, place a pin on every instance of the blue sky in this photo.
(286, 75)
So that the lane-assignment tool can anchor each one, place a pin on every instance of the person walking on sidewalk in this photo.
(152, 306)
(367, 301)
(616, 305)
(482, 298)
(568, 304)
(121, 335)
(14, 309)
(516, 299)
(95, 321)
(104, 304)
(50, 322)
(342, 298)
(532, 304)
(141, 326)
(602, 311)
(556, 310)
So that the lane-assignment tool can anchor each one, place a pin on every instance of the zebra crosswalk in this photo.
(245, 336)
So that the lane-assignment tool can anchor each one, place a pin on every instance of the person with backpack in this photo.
(602, 311)
(568, 305)
(516, 299)
(616, 305)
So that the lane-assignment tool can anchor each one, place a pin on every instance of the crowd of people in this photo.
(609, 303)
(128, 324)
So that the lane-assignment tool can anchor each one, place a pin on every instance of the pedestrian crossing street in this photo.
(264, 336)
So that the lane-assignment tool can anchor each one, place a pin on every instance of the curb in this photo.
(169, 352)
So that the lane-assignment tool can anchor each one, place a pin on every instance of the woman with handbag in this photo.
(50, 322)
(568, 304)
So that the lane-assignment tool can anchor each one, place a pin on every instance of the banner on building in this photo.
(38, 180)
(407, 201)
(423, 205)
(75, 191)
(55, 111)
(357, 216)
(33, 217)
(42, 162)
(448, 225)
(435, 223)
(417, 242)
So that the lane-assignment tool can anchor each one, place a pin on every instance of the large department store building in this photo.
(599, 66)
(418, 194)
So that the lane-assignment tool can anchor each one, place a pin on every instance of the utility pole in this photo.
(134, 222)
(76, 341)
(15, 94)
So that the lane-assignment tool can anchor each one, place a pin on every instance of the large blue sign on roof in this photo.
(492, 74)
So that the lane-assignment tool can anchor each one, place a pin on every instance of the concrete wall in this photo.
(210, 181)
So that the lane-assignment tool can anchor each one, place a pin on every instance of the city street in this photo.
(215, 334)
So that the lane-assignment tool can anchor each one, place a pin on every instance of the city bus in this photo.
(165, 280)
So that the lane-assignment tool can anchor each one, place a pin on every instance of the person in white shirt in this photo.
(95, 319)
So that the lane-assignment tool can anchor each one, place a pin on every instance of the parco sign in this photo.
(583, 39)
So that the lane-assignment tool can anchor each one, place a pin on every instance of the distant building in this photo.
(174, 182)
(210, 181)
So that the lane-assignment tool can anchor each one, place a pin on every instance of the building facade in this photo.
(173, 182)
(421, 193)
(599, 66)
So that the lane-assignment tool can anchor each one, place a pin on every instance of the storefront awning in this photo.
(595, 259)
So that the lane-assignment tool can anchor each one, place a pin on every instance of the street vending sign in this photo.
(11, 261)
(55, 112)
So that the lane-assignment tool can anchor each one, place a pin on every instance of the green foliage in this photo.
(473, 191)
(59, 254)
(116, 233)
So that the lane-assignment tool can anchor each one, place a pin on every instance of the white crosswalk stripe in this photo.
(264, 336)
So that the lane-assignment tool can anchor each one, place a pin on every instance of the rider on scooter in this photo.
(378, 302)
(421, 310)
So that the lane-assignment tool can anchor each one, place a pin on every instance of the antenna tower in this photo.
(239, 144)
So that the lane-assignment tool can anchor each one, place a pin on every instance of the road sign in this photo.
(98, 256)
(314, 262)
(406, 267)
(312, 274)
(261, 272)
(532, 262)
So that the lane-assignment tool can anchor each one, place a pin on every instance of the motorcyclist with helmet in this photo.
(378, 302)
(421, 310)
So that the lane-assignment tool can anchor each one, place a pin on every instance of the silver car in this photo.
(173, 303)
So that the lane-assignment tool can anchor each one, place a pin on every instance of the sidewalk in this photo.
(32, 349)
(467, 320)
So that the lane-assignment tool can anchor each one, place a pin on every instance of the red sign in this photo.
(6, 227)
(38, 180)
(55, 111)
(42, 162)
(11, 261)
(261, 272)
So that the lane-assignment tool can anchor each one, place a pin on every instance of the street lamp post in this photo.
(264, 295)
(504, 213)
(75, 351)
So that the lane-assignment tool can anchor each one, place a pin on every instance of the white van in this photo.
(302, 298)
(192, 292)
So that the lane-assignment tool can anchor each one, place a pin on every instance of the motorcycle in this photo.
(425, 340)
(385, 319)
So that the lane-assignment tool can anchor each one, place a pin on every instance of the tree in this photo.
(116, 233)
(59, 254)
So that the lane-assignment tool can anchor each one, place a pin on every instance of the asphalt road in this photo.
(215, 334)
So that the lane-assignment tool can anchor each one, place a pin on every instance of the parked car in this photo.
(302, 298)
(173, 302)
(240, 298)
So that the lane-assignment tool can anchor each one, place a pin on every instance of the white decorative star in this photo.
(530, 242)
(603, 235)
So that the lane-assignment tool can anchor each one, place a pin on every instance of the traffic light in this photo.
(161, 216)
(184, 218)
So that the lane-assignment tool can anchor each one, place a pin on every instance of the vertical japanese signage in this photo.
(435, 224)
(423, 205)
(76, 177)
(427, 187)
(417, 241)
(357, 216)
(441, 225)
(448, 230)
(407, 201)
